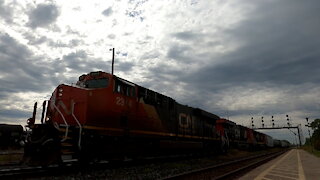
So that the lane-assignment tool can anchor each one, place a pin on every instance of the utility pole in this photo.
(112, 60)
(299, 136)
(295, 137)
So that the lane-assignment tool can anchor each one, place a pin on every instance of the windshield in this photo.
(97, 83)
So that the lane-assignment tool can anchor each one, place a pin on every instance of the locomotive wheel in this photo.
(50, 152)
(43, 146)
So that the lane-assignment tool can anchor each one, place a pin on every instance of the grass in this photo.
(10, 156)
(9, 159)
(311, 150)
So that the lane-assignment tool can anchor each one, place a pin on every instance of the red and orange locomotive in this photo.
(104, 116)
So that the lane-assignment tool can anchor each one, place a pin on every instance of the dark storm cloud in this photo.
(180, 52)
(6, 12)
(74, 32)
(187, 35)
(124, 66)
(75, 42)
(280, 47)
(111, 36)
(75, 60)
(58, 44)
(107, 12)
(151, 55)
(23, 71)
(43, 15)
(79, 61)
(13, 113)
(39, 40)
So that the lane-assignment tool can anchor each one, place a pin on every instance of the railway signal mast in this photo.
(272, 121)
(289, 126)
(252, 124)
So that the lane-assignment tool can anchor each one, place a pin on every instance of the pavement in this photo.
(295, 164)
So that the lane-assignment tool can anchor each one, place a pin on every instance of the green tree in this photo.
(315, 125)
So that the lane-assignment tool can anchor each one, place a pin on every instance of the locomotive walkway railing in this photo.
(65, 122)
(80, 127)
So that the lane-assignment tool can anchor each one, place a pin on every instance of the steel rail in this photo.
(34, 171)
(20, 171)
(260, 159)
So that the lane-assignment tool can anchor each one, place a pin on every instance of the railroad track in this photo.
(11, 172)
(74, 168)
(20, 171)
(226, 170)
(36, 171)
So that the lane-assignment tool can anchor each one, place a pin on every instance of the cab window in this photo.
(97, 83)
(124, 88)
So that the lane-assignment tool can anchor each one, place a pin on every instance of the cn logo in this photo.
(120, 101)
(184, 120)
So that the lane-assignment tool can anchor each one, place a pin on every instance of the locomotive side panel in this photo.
(269, 141)
(159, 111)
(66, 100)
(113, 106)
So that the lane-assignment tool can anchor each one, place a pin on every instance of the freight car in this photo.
(242, 137)
(285, 143)
(11, 136)
(104, 116)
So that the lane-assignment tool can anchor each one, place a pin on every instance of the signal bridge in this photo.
(298, 127)
(288, 126)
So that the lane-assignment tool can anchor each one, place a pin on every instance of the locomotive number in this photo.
(120, 101)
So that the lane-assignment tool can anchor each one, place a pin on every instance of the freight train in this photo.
(104, 116)
(11, 136)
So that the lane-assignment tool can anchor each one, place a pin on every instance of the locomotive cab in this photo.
(94, 80)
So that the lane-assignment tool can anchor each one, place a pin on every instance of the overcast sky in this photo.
(237, 59)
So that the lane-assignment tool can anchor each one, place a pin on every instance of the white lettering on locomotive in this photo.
(120, 101)
(184, 120)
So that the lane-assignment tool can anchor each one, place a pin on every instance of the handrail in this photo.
(43, 115)
(65, 122)
(80, 127)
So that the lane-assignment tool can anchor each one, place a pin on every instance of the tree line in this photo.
(315, 138)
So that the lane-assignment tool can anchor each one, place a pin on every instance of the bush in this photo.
(317, 145)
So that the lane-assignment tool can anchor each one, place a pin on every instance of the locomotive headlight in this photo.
(61, 90)
(60, 94)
